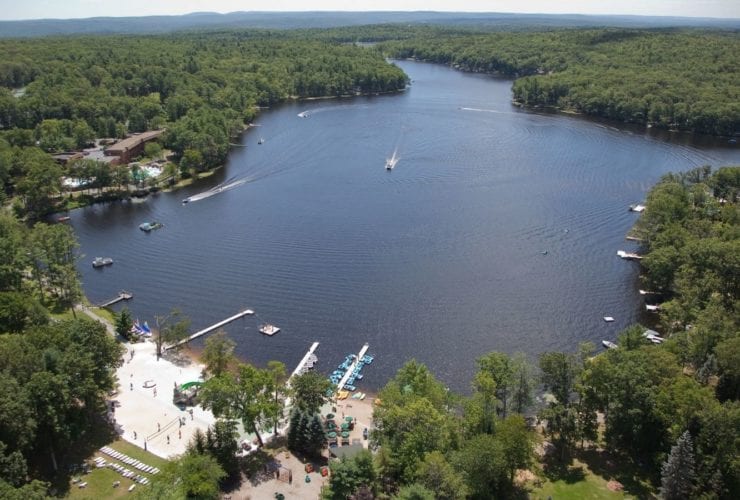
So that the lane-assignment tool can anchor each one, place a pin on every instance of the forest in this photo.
(203, 88)
(673, 79)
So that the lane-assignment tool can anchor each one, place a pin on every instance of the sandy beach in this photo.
(145, 414)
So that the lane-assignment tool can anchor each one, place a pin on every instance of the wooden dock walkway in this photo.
(351, 368)
(245, 312)
(122, 295)
(299, 368)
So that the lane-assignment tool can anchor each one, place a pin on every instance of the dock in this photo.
(246, 312)
(351, 368)
(122, 295)
(309, 355)
(628, 255)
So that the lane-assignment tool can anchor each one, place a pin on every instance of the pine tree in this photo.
(677, 473)
(295, 419)
(316, 436)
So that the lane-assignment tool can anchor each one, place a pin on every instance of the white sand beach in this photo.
(145, 414)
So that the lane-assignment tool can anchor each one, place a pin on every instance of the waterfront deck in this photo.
(351, 368)
(122, 295)
(246, 312)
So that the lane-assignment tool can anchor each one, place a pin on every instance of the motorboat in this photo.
(390, 163)
(608, 319)
(102, 261)
(609, 345)
(637, 208)
(149, 226)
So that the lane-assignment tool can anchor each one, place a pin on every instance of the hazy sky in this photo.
(35, 9)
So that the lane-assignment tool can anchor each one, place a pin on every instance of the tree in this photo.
(517, 443)
(310, 391)
(483, 464)
(240, 396)
(677, 474)
(124, 323)
(437, 475)
(277, 377)
(153, 150)
(193, 475)
(414, 491)
(218, 353)
(171, 329)
(348, 476)
(221, 443)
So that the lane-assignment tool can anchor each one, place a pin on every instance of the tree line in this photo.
(674, 79)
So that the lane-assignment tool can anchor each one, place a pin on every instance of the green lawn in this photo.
(100, 481)
(578, 483)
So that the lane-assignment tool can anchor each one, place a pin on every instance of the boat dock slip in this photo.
(122, 295)
(245, 312)
(351, 368)
(299, 369)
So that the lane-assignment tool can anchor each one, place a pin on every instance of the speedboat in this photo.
(148, 226)
(102, 261)
(608, 344)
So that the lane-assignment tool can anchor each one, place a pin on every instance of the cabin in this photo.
(131, 147)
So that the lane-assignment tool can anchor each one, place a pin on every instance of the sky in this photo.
(66, 9)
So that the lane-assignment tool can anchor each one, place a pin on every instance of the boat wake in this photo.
(230, 183)
(479, 110)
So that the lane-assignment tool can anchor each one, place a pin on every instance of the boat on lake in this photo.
(608, 319)
(63, 218)
(261, 141)
(609, 345)
(628, 255)
(637, 208)
(390, 163)
(149, 226)
(268, 329)
(102, 261)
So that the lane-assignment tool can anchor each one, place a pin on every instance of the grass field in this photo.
(100, 481)
(579, 483)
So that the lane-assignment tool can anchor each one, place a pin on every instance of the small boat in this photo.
(102, 261)
(390, 163)
(63, 218)
(261, 141)
(628, 255)
(149, 226)
(609, 345)
(186, 200)
(268, 329)
(637, 208)
(608, 319)
(652, 308)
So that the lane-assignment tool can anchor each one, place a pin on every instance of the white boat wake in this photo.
(479, 110)
(224, 186)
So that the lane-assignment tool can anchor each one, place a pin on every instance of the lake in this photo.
(497, 230)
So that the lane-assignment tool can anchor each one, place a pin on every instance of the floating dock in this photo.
(246, 312)
(122, 295)
(351, 368)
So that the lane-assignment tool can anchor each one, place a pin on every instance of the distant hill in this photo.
(292, 20)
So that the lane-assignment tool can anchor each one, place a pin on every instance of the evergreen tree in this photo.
(316, 436)
(295, 419)
(124, 323)
(677, 473)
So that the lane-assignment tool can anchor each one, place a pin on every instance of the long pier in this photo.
(246, 312)
(122, 295)
(351, 368)
(299, 368)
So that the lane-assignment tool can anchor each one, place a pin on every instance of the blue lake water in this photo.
(441, 259)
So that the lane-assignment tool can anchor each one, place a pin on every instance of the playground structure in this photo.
(186, 394)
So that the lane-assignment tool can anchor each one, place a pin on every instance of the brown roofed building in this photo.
(131, 147)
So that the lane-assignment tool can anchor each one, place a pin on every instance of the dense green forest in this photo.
(686, 80)
(204, 88)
